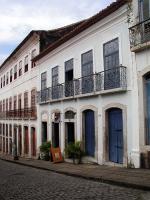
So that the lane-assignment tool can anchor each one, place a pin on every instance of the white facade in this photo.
(93, 38)
(15, 115)
(140, 47)
(91, 88)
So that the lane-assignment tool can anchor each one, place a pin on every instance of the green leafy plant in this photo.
(74, 151)
(45, 150)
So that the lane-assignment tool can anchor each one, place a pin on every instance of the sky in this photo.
(19, 17)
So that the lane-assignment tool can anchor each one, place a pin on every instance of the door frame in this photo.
(106, 134)
(66, 132)
(70, 120)
(31, 141)
(95, 110)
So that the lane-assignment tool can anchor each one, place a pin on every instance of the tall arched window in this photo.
(10, 103)
(26, 100)
(33, 98)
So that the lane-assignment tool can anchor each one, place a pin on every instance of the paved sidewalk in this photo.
(135, 178)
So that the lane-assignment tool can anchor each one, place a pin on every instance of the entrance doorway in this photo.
(55, 134)
(26, 140)
(70, 136)
(15, 136)
(115, 127)
(20, 141)
(44, 132)
(89, 132)
(33, 142)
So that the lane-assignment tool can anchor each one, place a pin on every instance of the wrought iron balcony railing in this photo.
(140, 33)
(26, 113)
(95, 83)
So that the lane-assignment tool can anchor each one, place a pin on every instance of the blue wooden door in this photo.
(148, 111)
(89, 133)
(115, 124)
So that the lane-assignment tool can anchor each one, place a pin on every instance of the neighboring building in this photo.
(140, 46)
(18, 86)
(88, 89)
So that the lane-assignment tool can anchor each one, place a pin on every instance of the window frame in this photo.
(26, 64)
(141, 10)
(11, 75)
(117, 52)
(55, 76)
(20, 68)
(4, 81)
(33, 98)
(15, 72)
(44, 80)
(7, 78)
(26, 99)
(1, 82)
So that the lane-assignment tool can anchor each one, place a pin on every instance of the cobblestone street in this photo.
(25, 183)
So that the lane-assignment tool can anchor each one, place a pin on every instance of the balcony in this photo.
(140, 36)
(26, 113)
(109, 81)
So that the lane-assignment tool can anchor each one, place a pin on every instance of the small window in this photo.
(1, 82)
(26, 64)
(15, 72)
(20, 68)
(7, 78)
(4, 81)
(11, 73)
(69, 115)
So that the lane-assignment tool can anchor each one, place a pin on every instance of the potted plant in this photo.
(45, 151)
(74, 151)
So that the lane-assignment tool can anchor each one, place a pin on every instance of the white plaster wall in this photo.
(141, 64)
(93, 38)
(26, 82)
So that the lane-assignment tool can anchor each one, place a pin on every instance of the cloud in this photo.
(19, 17)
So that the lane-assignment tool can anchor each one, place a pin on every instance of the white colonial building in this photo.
(140, 46)
(93, 82)
(18, 87)
(18, 115)
(88, 89)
